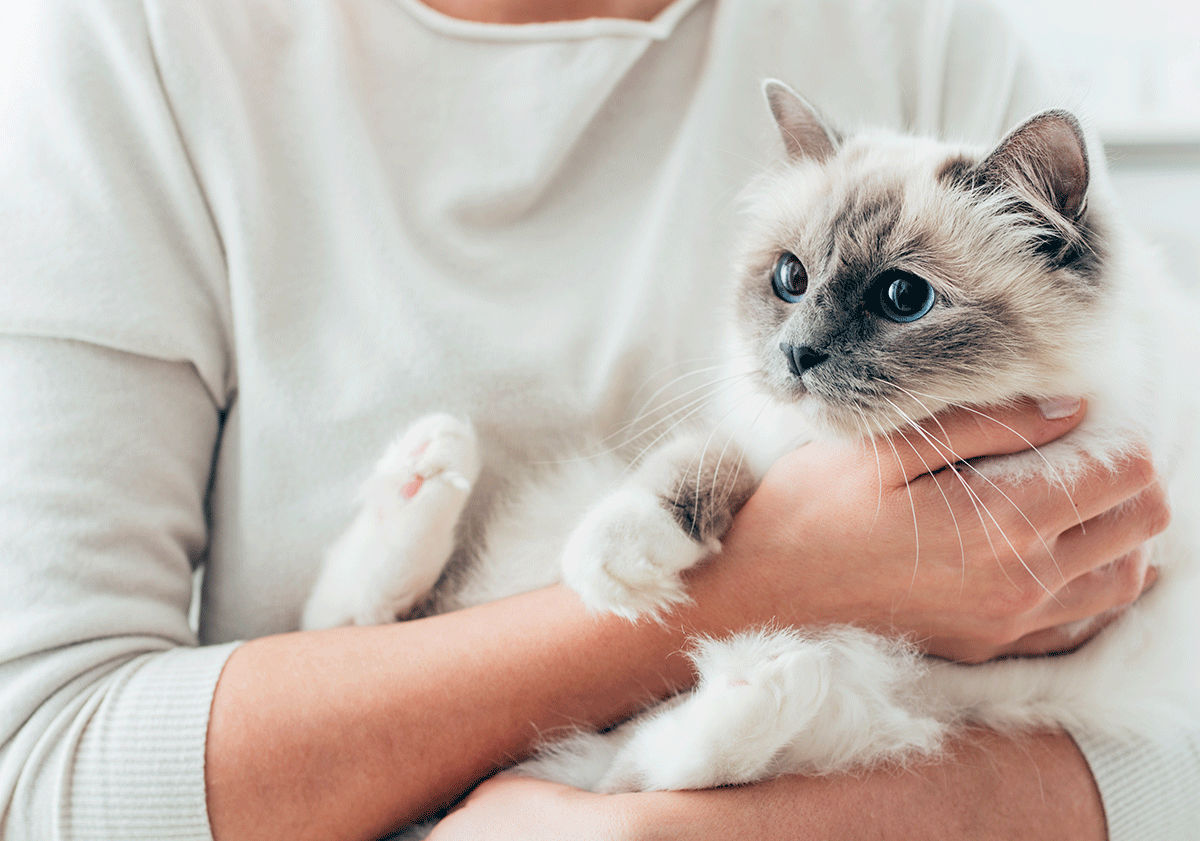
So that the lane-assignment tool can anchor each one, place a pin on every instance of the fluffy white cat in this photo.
(884, 278)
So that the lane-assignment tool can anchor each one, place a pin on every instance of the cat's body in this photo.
(1031, 288)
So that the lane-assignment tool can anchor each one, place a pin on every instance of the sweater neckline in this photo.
(659, 28)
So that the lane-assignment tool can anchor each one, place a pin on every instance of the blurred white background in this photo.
(1133, 68)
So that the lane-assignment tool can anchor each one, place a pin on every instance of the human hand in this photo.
(510, 807)
(890, 538)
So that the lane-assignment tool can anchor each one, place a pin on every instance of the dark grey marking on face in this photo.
(1077, 248)
(864, 221)
(705, 495)
(956, 171)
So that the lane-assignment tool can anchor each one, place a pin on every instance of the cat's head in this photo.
(887, 276)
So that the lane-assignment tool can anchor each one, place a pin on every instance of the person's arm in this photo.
(106, 698)
(986, 787)
(114, 373)
(108, 432)
(351, 732)
(104, 695)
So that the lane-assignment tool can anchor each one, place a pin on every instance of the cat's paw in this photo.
(396, 547)
(752, 702)
(437, 449)
(627, 554)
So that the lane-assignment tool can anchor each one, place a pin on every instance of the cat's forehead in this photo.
(870, 175)
(881, 201)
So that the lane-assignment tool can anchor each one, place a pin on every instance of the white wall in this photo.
(1134, 68)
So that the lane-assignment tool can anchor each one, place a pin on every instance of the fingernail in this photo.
(1057, 408)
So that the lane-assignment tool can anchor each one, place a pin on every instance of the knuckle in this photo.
(1140, 470)
(1130, 576)
(1022, 592)
(1028, 597)
(1158, 517)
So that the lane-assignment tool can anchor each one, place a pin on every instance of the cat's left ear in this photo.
(1044, 158)
(804, 133)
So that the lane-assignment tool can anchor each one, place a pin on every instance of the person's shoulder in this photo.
(62, 46)
(83, 27)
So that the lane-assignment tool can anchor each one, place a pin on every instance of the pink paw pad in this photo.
(409, 489)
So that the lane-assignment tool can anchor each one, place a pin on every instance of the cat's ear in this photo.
(1044, 158)
(805, 134)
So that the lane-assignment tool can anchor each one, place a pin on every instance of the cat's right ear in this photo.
(804, 133)
(1045, 158)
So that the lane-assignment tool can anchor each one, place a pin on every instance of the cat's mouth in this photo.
(828, 411)
(840, 406)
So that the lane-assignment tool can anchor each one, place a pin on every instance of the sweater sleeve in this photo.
(104, 695)
(114, 373)
(988, 82)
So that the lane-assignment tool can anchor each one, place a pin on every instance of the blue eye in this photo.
(789, 279)
(900, 296)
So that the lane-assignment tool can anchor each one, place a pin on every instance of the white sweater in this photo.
(242, 243)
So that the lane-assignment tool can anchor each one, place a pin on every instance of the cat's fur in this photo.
(1041, 292)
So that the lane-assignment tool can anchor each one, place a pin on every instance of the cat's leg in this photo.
(627, 554)
(395, 549)
(780, 702)
(583, 758)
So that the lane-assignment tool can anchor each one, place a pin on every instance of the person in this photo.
(244, 243)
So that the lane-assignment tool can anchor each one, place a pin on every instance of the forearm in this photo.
(986, 786)
(348, 733)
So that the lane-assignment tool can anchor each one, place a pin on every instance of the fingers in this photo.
(1056, 536)
(968, 433)
(1087, 606)
(1115, 585)
(1120, 529)
(1079, 611)
(1101, 488)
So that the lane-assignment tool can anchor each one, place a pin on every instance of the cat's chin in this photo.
(824, 420)
(835, 423)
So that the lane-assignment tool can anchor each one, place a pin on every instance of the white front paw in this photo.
(436, 447)
(756, 694)
(627, 555)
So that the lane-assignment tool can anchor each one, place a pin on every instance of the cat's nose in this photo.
(801, 358)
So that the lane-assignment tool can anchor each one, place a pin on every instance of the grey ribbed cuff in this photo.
(138, 773)
(1150, 788)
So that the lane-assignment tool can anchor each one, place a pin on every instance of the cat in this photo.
(884, 277)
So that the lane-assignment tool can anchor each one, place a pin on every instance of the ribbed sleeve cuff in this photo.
(1150, 789)
(138, 772)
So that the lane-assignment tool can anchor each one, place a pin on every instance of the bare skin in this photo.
(986, 788)
(349, 733)
(539, 11)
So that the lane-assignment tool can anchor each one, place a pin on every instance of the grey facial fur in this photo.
(1006, 238)
(706, 491)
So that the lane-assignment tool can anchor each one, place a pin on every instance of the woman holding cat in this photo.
(245, 242)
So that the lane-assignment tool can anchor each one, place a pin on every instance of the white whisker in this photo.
(1059, 479)
(912, 503)
(933, 442)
